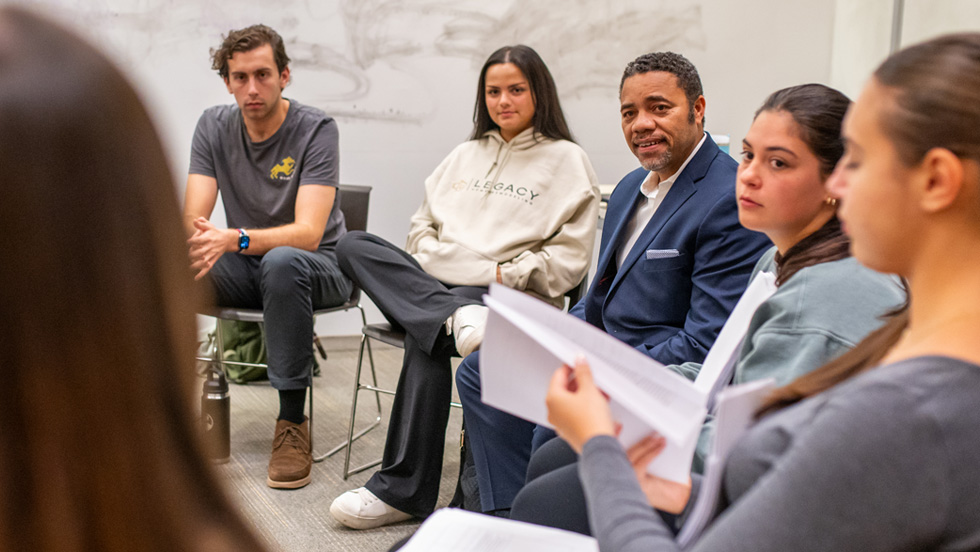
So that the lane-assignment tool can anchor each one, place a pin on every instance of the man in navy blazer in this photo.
(673, 258)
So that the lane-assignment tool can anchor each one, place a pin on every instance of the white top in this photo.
(655, 192)
(528, 206)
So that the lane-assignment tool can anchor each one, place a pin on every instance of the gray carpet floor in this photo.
(299, 520)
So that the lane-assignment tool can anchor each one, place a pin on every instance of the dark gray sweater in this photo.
(887, 461)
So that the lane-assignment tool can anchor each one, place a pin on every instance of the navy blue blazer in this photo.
(672, 307)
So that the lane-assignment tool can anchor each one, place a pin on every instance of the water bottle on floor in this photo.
(216, 415)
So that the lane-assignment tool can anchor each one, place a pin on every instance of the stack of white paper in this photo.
(451, 530)
(527, 340)
(736, 410)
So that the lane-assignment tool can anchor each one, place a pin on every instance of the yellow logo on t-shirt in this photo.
(283, 169)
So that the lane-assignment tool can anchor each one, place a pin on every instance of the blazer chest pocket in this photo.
(659, 260)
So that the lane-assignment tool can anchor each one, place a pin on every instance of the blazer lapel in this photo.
(677, 196)
(684, 187)
(612, 245)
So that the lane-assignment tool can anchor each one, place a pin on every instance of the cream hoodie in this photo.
(528, 205)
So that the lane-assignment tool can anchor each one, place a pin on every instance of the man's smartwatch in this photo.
(242, 240)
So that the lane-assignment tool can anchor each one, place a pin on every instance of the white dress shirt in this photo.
(654, 191)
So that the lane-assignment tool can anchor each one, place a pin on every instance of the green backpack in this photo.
(244, 342)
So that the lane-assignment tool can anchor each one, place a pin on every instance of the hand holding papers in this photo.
(526, 340)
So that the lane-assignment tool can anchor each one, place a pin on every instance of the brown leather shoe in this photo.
(292, 458)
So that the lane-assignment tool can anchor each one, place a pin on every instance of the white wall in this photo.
(862, 35)
(863, 29)
(400, 75)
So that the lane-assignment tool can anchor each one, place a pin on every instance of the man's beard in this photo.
(660, 162)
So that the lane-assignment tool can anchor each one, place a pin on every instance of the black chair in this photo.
(354, 202)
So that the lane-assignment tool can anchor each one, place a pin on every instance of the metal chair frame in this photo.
(384, 333)
(355, 213)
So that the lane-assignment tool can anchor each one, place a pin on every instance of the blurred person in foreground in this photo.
(96, 424)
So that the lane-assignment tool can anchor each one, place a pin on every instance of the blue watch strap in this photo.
(242, 240)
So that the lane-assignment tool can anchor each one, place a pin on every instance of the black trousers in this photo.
(417, 303)
(288, 284)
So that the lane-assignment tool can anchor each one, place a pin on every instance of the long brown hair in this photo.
(865, 355)
(97, 333)
(936, 90)
(828, 243)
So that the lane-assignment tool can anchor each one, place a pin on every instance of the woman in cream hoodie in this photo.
(516, 204)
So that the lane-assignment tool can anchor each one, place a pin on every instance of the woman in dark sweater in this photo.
(849, 457)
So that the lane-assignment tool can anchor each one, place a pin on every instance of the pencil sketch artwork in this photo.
(383, 59)
(584, 52)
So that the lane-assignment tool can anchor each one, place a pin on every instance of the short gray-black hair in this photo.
(668, 62)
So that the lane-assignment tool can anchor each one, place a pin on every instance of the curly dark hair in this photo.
(246, 40)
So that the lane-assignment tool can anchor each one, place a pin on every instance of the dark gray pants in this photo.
(419, 304)
(288, 284)
(553, 495)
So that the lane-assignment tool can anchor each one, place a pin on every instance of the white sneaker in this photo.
(469, 325)
(360, 509)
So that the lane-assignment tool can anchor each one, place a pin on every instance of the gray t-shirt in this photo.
(259, 180)
(886, 461)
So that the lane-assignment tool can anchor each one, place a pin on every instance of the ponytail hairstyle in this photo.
(935, 88)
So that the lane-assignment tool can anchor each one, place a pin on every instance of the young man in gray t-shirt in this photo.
(275, 162)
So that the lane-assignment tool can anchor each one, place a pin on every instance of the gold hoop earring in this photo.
(832, 201)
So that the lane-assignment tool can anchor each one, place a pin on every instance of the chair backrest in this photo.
(354, 204)
(577, 292)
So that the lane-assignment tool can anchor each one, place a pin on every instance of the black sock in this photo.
(291, 405)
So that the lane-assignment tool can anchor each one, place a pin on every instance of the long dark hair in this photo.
(98, 328)
(935, 86)
(818, 111)
(549, 119)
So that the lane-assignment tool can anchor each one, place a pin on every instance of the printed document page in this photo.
(719, 365)
(736, 410)
(526, 341)
(452, 530)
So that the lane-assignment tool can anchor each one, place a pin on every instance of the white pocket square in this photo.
(662, 253)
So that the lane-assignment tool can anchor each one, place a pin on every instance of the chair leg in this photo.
(374, 374)
(351, 436)
(377, 421)
(323, 354)
(311, 415)
(218, 352)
